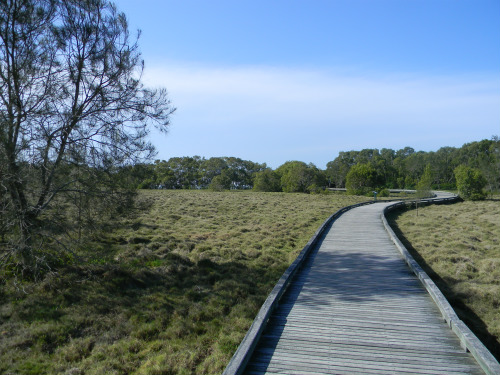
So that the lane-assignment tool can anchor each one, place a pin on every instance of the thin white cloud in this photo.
(311, 115)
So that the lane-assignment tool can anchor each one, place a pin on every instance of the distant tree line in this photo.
(358, 171)
(222, 173)
(402, 169)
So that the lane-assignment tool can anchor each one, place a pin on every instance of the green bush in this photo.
(315, 189)
(361, 179)
(298, 177)
(383, 193)
(220, 182)
(267, 180)
(146, 184)
(424, 184)
(470, 183)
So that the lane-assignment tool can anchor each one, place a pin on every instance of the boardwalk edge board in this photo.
(468, 340)
(242, 355)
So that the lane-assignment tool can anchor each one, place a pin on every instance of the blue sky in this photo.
(272, 81)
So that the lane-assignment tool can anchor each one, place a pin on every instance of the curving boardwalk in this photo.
(356, 308)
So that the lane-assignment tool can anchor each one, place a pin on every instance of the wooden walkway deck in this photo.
(356, 308)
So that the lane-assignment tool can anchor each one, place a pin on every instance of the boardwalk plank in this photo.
(371, 362)
(368, 352)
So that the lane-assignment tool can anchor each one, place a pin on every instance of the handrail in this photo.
(249, 342)
(468, 340)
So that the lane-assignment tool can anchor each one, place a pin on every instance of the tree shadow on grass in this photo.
(109, 303)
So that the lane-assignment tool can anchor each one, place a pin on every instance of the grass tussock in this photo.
(459, 247)
(171, 289)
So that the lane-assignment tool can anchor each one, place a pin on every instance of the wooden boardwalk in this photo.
(356, 308)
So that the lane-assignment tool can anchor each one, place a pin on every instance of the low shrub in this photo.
(384, 193)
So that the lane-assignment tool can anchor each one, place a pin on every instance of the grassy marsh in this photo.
(169, 290)
(458, 246)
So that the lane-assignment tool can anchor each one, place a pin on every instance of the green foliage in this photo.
(384, 193)
(147, 183)
(315, 189)
(404, 168)
(139, 175)
(409, 183)
(424, 184)
(267, 180)
(197, 172)
(361, 179)
(336, 170)
(299, 177)
(470, 183)
(220, 182)
(382, 161)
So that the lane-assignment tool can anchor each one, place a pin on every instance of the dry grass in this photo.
(459, 247)
(171, 290)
